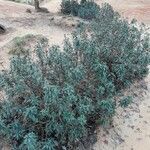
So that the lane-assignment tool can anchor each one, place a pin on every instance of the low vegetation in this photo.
(54, 100)
(85, 9)
(23, 45)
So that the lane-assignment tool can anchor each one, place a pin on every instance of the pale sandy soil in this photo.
(131, 129)
(132, 126)
(19, 23)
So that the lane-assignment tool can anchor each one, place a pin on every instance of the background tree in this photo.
(36, 5)
(38, 8)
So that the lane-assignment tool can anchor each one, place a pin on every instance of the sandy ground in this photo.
(19, 23)
(131, 129)
(139, 9)
(131, 126)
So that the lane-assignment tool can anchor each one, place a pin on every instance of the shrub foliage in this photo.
(88, 10)
(53, 100)
(70, 7)
(85, 9)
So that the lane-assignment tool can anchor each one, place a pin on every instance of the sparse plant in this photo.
(126, 101)
(18, 47)
(21, 45)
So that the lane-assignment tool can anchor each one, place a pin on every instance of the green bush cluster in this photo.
(53, 100)
(84, 9)
(70, 7)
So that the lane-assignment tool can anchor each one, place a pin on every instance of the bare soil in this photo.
(131, 129)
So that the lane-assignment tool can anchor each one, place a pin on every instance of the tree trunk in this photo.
(36, 4)
(38, 8)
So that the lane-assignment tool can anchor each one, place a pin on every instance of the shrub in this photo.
(125, 101)
(83, 1)
(52, 101)
(18, 46)
(75, 8)
(66, 7)
(70, 7)
(44, 105)
(88, 10)
(122, 46)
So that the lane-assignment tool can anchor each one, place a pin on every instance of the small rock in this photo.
(43, 10)
(73, 25)
(132, 127)
(139, 139)
(121, 140)
(2, 29)
(107, 132)
(145, 122)
(144, 86)
(140, 116)
(28, 11)
(148, 111)
(52, 18)
(135, 95)
(138, 129)
(106, 142)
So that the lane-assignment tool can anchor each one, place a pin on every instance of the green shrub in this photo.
(53, 100)
(66, 6)
(75, 8)
(70, 7)
(83, 1)
(122, 46)
(88, 10)
(125, 101)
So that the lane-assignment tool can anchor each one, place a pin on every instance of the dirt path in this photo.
(132, 126)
